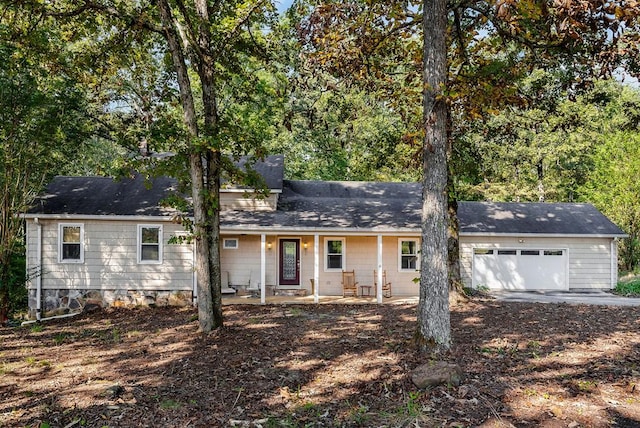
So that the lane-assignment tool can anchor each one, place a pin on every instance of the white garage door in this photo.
(520, 269)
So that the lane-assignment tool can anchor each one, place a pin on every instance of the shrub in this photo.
(629, 287)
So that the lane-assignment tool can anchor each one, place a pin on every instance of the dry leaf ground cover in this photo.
(323, 366)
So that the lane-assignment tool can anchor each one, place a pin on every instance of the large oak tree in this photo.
(489, 46)
(149, 60)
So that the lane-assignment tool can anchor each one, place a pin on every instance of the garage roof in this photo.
(541, 218)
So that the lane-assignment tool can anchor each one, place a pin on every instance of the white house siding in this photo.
(110, 258)
(239, 201)
(361, 256)
(244, 262)
(590, 264)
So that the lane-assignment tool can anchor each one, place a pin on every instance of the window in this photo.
(149, 244)
(507, 252)
(230, 243)
(71, 243)
(335, 254)
(553, 252)
(482, 251)
(408, 254)
(530, 252)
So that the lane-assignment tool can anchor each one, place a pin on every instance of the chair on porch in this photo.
(226, 289)
(349, 284)
(386, 286)
(254, 283)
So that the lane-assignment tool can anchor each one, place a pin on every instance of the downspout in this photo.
(55, 317)
(194, 292)
(39, 271)
(614, 264)
(379, 272)
(316, 268)
(263, 269)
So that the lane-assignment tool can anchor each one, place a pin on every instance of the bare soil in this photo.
(525, 365)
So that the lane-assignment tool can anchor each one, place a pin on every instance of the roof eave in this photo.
(250, 230)
(547, 235)
(247, 190)
(336, 231)
(110, 217)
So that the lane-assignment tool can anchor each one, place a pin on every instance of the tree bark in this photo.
(457, 294)
(197, 172)
(433, 332)
(456, 290)
(206, 72)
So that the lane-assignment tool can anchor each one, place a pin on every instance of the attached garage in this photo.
(520, 269)
(537, 246)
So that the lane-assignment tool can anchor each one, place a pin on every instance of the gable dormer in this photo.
(242, 198)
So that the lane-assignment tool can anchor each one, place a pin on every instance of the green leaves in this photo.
(614, 188)
(43, 122)
(544, 151)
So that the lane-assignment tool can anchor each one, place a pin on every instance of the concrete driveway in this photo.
(591, 297)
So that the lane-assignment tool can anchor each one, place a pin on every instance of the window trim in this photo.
(326, 255)
(140, 244)
(416, 255)
(61, 258)
(228, 247)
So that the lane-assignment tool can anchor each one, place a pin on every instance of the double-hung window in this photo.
(408, 254)
(335, 252)
(71, 243)
(149, 244)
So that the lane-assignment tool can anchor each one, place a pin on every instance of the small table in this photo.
(366, 288)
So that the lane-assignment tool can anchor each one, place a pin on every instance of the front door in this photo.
(289, 262)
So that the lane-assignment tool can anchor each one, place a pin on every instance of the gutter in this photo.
(108, 217)
(545, 235)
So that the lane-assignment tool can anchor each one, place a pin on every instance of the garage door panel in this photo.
(490, 270)
(523, 269)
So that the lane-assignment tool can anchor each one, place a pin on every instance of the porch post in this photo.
(263, 265)
(379, 271)
(316, 268)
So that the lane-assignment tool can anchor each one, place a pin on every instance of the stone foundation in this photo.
(59, 302)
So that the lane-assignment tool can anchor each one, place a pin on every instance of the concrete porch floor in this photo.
(308, 300)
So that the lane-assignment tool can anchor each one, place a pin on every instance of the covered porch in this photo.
(302, 266)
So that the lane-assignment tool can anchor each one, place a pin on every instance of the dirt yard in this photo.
(525, 365)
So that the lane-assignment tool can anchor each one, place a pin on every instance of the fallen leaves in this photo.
(324, 365)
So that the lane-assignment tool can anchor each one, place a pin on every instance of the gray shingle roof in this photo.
(271, 169)
(338, 205)
(539, 218)
(105, 196)
(129, 196)
(318, 205)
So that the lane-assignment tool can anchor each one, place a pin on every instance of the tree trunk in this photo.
(203, 253)
(4, 290)
(206, 71)
(434, 328)
(214, 240)
(456, 291)
(197, 172)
